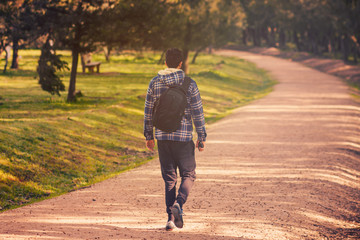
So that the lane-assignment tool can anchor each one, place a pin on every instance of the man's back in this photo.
(193, 112)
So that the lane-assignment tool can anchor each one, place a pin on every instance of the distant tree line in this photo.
(317, 26)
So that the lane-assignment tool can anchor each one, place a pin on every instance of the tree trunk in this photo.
(187, 40)
(269, 36)
(196, 54)
(282, 39)
(304, 42)
(337, 46)
(344, 48)
(265, 34)
(107, 51)
(72, 86)
(15, 63)
(356, 48)
(314, 46)
(329, 47)
(355, 52)
(6, 61)
(7, 55)
(185, 65)
(312, 42)
(251, 35)
(162, 60)
(256, 37)
(273, 37)
(244, 36)
(355, 55)
(296, 41)
(75, 60)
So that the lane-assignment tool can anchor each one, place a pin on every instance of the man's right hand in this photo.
(150, 144)
(200, 148)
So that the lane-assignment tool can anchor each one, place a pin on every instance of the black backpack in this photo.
(169, 109)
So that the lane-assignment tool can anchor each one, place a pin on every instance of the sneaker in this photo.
(178, 213)
(170, 226)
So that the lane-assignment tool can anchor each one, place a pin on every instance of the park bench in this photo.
(87, 63)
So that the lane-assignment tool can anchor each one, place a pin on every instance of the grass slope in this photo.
(48, 146)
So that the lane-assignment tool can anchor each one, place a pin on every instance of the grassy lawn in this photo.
(49, 147)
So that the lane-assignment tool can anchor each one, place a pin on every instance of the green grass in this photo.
(49, 147)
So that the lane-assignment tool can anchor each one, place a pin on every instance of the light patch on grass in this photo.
(5, 177)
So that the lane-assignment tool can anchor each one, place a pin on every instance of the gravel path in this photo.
(284, 167)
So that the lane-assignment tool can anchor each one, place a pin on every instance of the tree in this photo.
(346, 26)
(133, 24)
(3, 42)
(189, 10)
(20, 24)
(116, 32)
(49, 63)
(74, 25)
(165, 28)
(260, 15)
(208, 23)
(317, 26)
(227, 22)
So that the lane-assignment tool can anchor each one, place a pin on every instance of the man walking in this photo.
(176, 149)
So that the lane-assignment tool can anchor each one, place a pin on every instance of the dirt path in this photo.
(335, 67)
(285, 167)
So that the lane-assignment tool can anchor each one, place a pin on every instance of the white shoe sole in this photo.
(179, 223)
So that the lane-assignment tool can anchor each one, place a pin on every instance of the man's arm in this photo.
(148, 126)
(197, 115)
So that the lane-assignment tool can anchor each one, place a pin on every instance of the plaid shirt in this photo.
(193, 111)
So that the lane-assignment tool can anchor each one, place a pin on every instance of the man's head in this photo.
(173, 58)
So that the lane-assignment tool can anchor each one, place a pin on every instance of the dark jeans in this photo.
(173, 155)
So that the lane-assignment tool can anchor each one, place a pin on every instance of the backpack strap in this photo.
(186, 84)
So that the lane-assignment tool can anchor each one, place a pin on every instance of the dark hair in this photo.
(173, 57)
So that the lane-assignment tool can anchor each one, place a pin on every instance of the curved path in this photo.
(284, 167)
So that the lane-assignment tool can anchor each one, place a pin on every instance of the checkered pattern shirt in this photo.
(193, 111)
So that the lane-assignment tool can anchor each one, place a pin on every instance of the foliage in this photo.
(49, 146)
(317, 26)
(133, 24)
(74, 26)
(49, 63)
(82, 25)
(20, 24)
(202, 24)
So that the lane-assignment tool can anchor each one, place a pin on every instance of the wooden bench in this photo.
(86, 63)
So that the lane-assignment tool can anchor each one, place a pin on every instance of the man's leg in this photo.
(184, 153)
(185, 159)
(168, 171)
